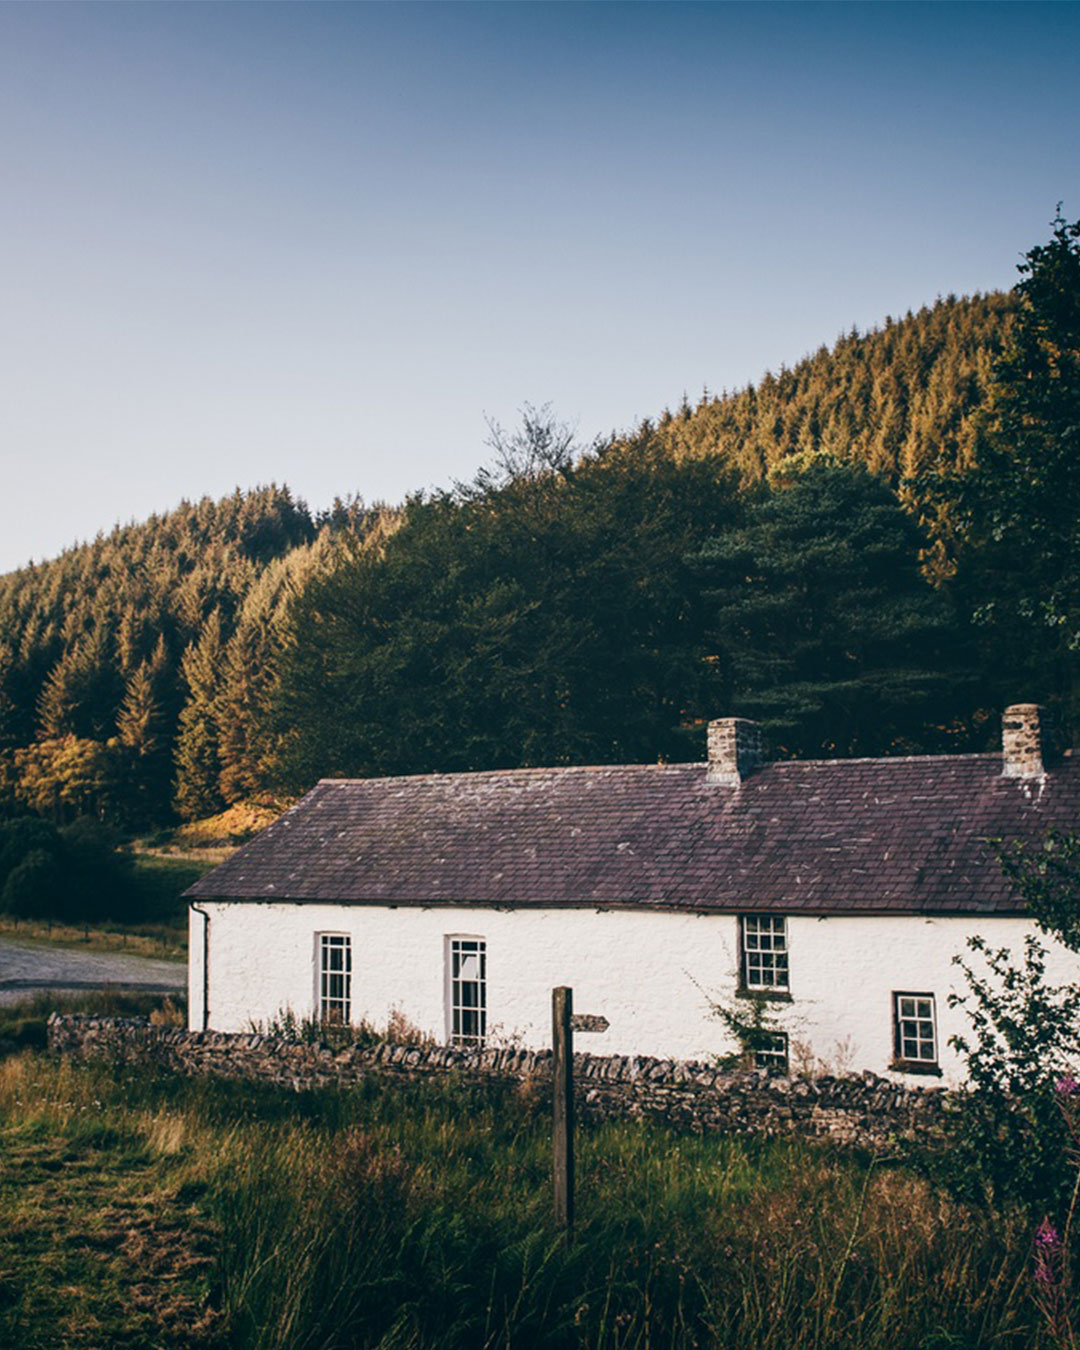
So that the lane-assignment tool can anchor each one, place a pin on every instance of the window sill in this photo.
(769, 995)
(926, 1070)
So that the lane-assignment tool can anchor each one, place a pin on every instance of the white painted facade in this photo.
(651, 974)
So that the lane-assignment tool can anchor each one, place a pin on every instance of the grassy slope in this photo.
(420, 1217)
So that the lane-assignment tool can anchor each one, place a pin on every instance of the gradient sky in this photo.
(317, 244)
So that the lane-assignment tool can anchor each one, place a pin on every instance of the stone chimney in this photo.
(736, 749)
(1024, 741)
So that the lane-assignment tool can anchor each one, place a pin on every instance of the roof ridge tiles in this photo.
(683, 766)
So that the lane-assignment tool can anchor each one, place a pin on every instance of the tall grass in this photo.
(419, 1216)
(422, 1218)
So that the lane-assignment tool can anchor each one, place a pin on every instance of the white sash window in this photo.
(335, 978)
(467, 990)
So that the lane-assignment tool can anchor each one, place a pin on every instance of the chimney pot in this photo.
(1023, 741)
(736, 749)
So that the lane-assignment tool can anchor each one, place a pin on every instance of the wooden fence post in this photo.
(562, 1115)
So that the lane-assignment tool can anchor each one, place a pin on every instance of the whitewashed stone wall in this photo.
(653, 975)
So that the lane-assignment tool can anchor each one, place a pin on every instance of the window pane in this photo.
(773, 1053)
(916, 1040)
(765, 960)
(468, 990)
(335, 977)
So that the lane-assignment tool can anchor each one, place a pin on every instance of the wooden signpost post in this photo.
(563, 1025)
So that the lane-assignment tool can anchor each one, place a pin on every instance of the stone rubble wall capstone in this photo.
(861, 1110)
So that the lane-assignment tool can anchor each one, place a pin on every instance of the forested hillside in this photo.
(132, 667)
(840, 551)
(901, 400)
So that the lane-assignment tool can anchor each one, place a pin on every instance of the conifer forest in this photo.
(872, 552)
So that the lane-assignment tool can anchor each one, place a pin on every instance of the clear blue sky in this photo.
(317, 244)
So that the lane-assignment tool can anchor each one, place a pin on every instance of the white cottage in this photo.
(842, 889)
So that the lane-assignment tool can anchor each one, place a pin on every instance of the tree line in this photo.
(132, 667)
(872, 552)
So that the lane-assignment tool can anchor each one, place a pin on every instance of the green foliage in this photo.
(94, 669)
(21, 836)
(547, 613)
(902, 400)
(67, 776)
(35, 885)
(315, 1031)
(72, 873)
(1019, 512)
(547, 619)
(198, 764)
(1047, 875)
(750, 1019)
(143, 727)
(818, 606)
(1013, 1132)
(1008, 1138)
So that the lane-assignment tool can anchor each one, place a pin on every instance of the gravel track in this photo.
(27, 969)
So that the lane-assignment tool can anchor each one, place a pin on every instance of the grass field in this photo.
(146, 1210)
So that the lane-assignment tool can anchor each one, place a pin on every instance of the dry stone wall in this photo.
(863, 1110)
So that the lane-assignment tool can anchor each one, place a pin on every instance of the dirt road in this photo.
(28, 969)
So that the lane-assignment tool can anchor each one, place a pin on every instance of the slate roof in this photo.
(826, 836)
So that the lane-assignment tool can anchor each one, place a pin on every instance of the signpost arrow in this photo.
(589, 1022)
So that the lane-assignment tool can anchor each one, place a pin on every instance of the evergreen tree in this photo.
(142, 733)
(1021, 509)
(197, 789)
(904, 399)
(831, 634)
(249, 668)
(542, 614)
(82, 637)
(80, 694)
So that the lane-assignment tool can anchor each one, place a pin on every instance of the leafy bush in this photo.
(73, 873)
(21, 836)
(34, 886)
(1008, 1136)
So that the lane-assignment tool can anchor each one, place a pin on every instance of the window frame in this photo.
(462, 946)
(773, 989)
(333, 1009)
(920, 1065)
(775, 1059)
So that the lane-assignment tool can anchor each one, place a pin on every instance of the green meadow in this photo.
(138, 1209)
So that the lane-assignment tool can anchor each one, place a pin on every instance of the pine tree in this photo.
(197, 789)
(142, 735)
(818, 608)
(1021, 507)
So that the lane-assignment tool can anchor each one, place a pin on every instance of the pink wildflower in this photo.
(1046, 1235)
(1047, 1251)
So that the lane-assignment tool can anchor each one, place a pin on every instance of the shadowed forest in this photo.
(872, 552)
